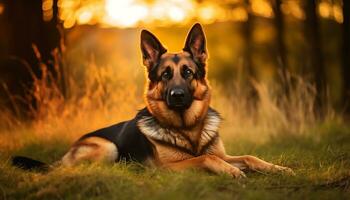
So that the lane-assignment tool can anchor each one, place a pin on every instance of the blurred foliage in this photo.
(98, 41)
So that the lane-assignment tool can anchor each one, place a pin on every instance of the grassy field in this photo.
(280, 130)
(321, 164)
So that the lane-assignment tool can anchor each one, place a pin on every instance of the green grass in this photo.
(320, 159)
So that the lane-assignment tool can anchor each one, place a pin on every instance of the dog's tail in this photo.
(29, 164)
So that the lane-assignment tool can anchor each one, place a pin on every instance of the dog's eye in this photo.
(187, 73)
(166, 75)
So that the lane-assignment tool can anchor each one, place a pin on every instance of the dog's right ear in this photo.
(151, 49)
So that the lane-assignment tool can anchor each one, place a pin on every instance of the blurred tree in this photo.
(249, 74)
(247, 34)
(346, 56)
(25, 26)
(315, 53)
(281, 54)
(23, 23)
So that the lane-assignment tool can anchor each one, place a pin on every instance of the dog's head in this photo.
(177, 91)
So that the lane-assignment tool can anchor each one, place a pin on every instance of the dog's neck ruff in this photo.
(151, 128)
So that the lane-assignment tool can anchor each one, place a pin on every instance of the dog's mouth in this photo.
(178, 106)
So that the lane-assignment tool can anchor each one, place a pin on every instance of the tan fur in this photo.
(164, 115)
(92, 149)
(256, 164)
(166, 60)
(166, 154)
(217, 149)
(208, 162)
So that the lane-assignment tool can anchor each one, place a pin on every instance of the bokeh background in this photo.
(274, 64)
(279, 72)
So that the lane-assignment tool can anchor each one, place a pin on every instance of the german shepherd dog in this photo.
(177, 130)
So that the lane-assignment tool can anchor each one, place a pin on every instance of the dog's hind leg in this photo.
(91, 149)
(256, 164)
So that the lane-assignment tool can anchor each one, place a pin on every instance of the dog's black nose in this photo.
(178, 98)
(177, 93)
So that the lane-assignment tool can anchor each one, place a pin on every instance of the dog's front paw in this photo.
(236, 173)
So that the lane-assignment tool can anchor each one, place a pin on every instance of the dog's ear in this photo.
(196, 44)
(151, 49)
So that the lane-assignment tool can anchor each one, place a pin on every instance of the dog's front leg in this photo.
(208, 162)
(256, 164)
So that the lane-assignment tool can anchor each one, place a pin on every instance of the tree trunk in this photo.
(281, 49)
(247, 32)
(346, 56)
(315, 53)
(25, 27)
(249, 74)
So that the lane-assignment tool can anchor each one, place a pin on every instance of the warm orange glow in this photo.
(2, 8)
(47, 5)
(47, 10)
(133, 13)
(338, 13)
(294, 9)
(331, 11)
(325, 9)
(178, 10)
(84, 16)
(124, 13)
(262, 8)
(208, 13)
(239, 14)
(177, 14)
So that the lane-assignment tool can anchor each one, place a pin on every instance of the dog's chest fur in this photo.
(178, 144)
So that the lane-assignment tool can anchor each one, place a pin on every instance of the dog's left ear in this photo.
(196, 44)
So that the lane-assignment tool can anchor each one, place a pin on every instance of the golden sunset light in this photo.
(131, 13)
(174, 99)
